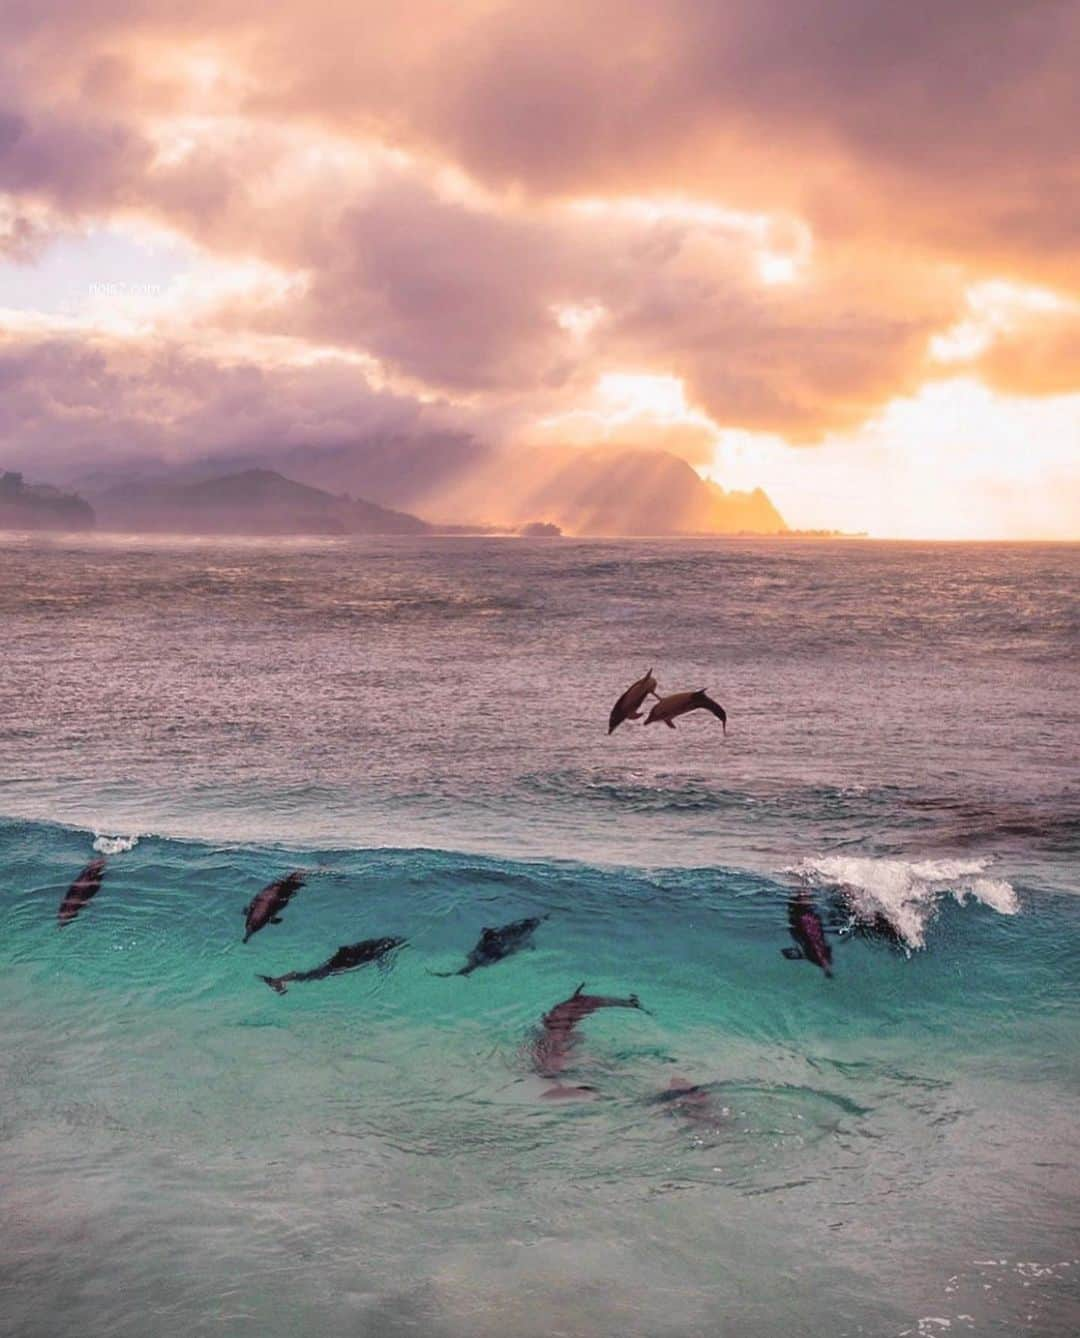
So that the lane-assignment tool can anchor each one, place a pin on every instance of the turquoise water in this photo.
(371, 1153)
(889, 1152)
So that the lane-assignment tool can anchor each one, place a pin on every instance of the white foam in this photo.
(114, 845)
(905, 892)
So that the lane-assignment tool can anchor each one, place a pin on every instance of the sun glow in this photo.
(631, 409)
(995, 309)
(580, 321)
(776, 268)
(632, 394)
(954, 461)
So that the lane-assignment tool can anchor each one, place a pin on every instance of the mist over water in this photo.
(421, 725)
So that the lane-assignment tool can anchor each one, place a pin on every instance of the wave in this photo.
(903, 893)
(114, 845)
(891, 896)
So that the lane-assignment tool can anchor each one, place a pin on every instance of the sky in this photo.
(831, 248)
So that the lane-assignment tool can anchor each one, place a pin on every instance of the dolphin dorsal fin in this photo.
(578, 990)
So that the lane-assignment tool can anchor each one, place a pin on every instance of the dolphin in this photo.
(691, 1100)
(628, 707)
(81, 890)
(495, 944)
(805, 927)
(265, 908)
(553, 1044)
(347, 958)
(680, 703)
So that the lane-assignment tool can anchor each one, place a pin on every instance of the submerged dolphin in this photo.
(81, 890)
(495, 944)
(628, 707)
(805, 927)
(347, 958)
(691, 1100)
(265, 908)
(680, 703)
(555, 1040)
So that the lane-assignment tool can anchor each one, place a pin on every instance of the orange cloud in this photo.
(492, 207)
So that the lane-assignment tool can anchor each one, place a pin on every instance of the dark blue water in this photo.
(421, 726)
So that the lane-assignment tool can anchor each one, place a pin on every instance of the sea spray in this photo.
(114, 845)
(906, 893)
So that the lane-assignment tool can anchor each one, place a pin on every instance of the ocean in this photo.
(419, 726)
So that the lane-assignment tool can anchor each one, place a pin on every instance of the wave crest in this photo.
(114, 845)
(906, 893)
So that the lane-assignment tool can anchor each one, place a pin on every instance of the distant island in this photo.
(826, 534)
(540, 529)
(254, 501)
(604, 492)
(28, 506)
(460, 485)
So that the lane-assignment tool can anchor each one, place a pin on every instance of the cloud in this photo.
(474, 216)
(950, 126)
(947, 125)
(71, 407)
(472, 299)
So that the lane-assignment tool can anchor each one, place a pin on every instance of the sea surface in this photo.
(420, 727)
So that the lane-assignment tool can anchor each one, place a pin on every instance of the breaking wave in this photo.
(905, 893)
(114, 845)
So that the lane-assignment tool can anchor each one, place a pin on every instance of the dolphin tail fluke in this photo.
(275, 983)
(635, 1002)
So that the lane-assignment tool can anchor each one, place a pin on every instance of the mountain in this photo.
(27, 506)
(458, 483)
(635, 491)
(605, 491)
(454, 483)
(254, 501)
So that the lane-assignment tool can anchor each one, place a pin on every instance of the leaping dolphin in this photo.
(680, 703)
(495, 944)
(347, 958)
(265, 908)
(805, 927)
(81, 890)
(628, 707)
